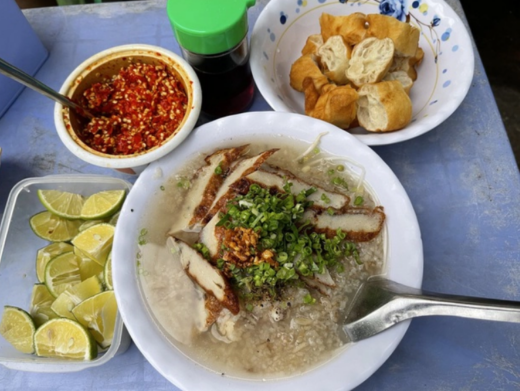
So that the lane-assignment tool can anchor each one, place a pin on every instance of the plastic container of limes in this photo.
(18, 248)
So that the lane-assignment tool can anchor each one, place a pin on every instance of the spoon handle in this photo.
(387, 303)
(20, 76)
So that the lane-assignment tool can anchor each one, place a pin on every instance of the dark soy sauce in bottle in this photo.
(226, 80)
(212, 36)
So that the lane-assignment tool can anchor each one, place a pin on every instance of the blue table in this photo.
(461, 177)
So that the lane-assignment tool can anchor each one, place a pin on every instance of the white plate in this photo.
(404, 253)
(284, 25)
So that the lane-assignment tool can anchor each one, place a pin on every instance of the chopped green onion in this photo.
(355, 253)
(162, 187)
(218, 169)
(223, 220)
(340, 182)
(359, 201)
(254, 188)
(325, 199)
(340, 168)
(308, 299)
(201, 248)
(276, 220)
(349, 248)
(184, 183)
(282, 257)
(142, 240)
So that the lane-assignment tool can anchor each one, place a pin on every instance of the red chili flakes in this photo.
(136, 110)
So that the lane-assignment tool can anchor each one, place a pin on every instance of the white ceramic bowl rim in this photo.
(146, 158)
(404, 253)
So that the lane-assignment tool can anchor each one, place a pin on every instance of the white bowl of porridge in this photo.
(236, 256)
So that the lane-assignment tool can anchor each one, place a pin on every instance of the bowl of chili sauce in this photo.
(145, 101)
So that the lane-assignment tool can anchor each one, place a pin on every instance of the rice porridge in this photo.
(288, 259)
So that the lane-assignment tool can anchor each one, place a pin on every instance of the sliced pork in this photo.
(240, 169)
(204, 274)
(358, 224)
(205, 185)
(209, 237)
(275, 181)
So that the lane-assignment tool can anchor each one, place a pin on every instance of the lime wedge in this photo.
(102, 204)
(96, 242)
(44, 255)
(74, 295)
(108, 272)
(54, 228)
(64, 338)
(89, 223)
(41, 301)
(17, 327)
(87, 267)
(98, 314)
(62, 203)
(62, 272)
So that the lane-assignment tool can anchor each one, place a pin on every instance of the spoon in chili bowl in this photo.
(20, 76)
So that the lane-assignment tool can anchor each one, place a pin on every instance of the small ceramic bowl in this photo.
(106, 64)
(444, 76)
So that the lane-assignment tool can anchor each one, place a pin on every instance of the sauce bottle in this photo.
(212, 35)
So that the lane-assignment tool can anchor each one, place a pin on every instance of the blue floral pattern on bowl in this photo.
(395, 8)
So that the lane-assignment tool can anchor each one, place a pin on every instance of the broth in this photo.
(274, 339)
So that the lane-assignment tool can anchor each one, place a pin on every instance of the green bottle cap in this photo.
(209, 26)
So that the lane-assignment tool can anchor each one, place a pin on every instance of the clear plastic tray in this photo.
(18, 247)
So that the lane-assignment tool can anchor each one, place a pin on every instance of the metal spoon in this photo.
(380, 303)
(20, 76)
